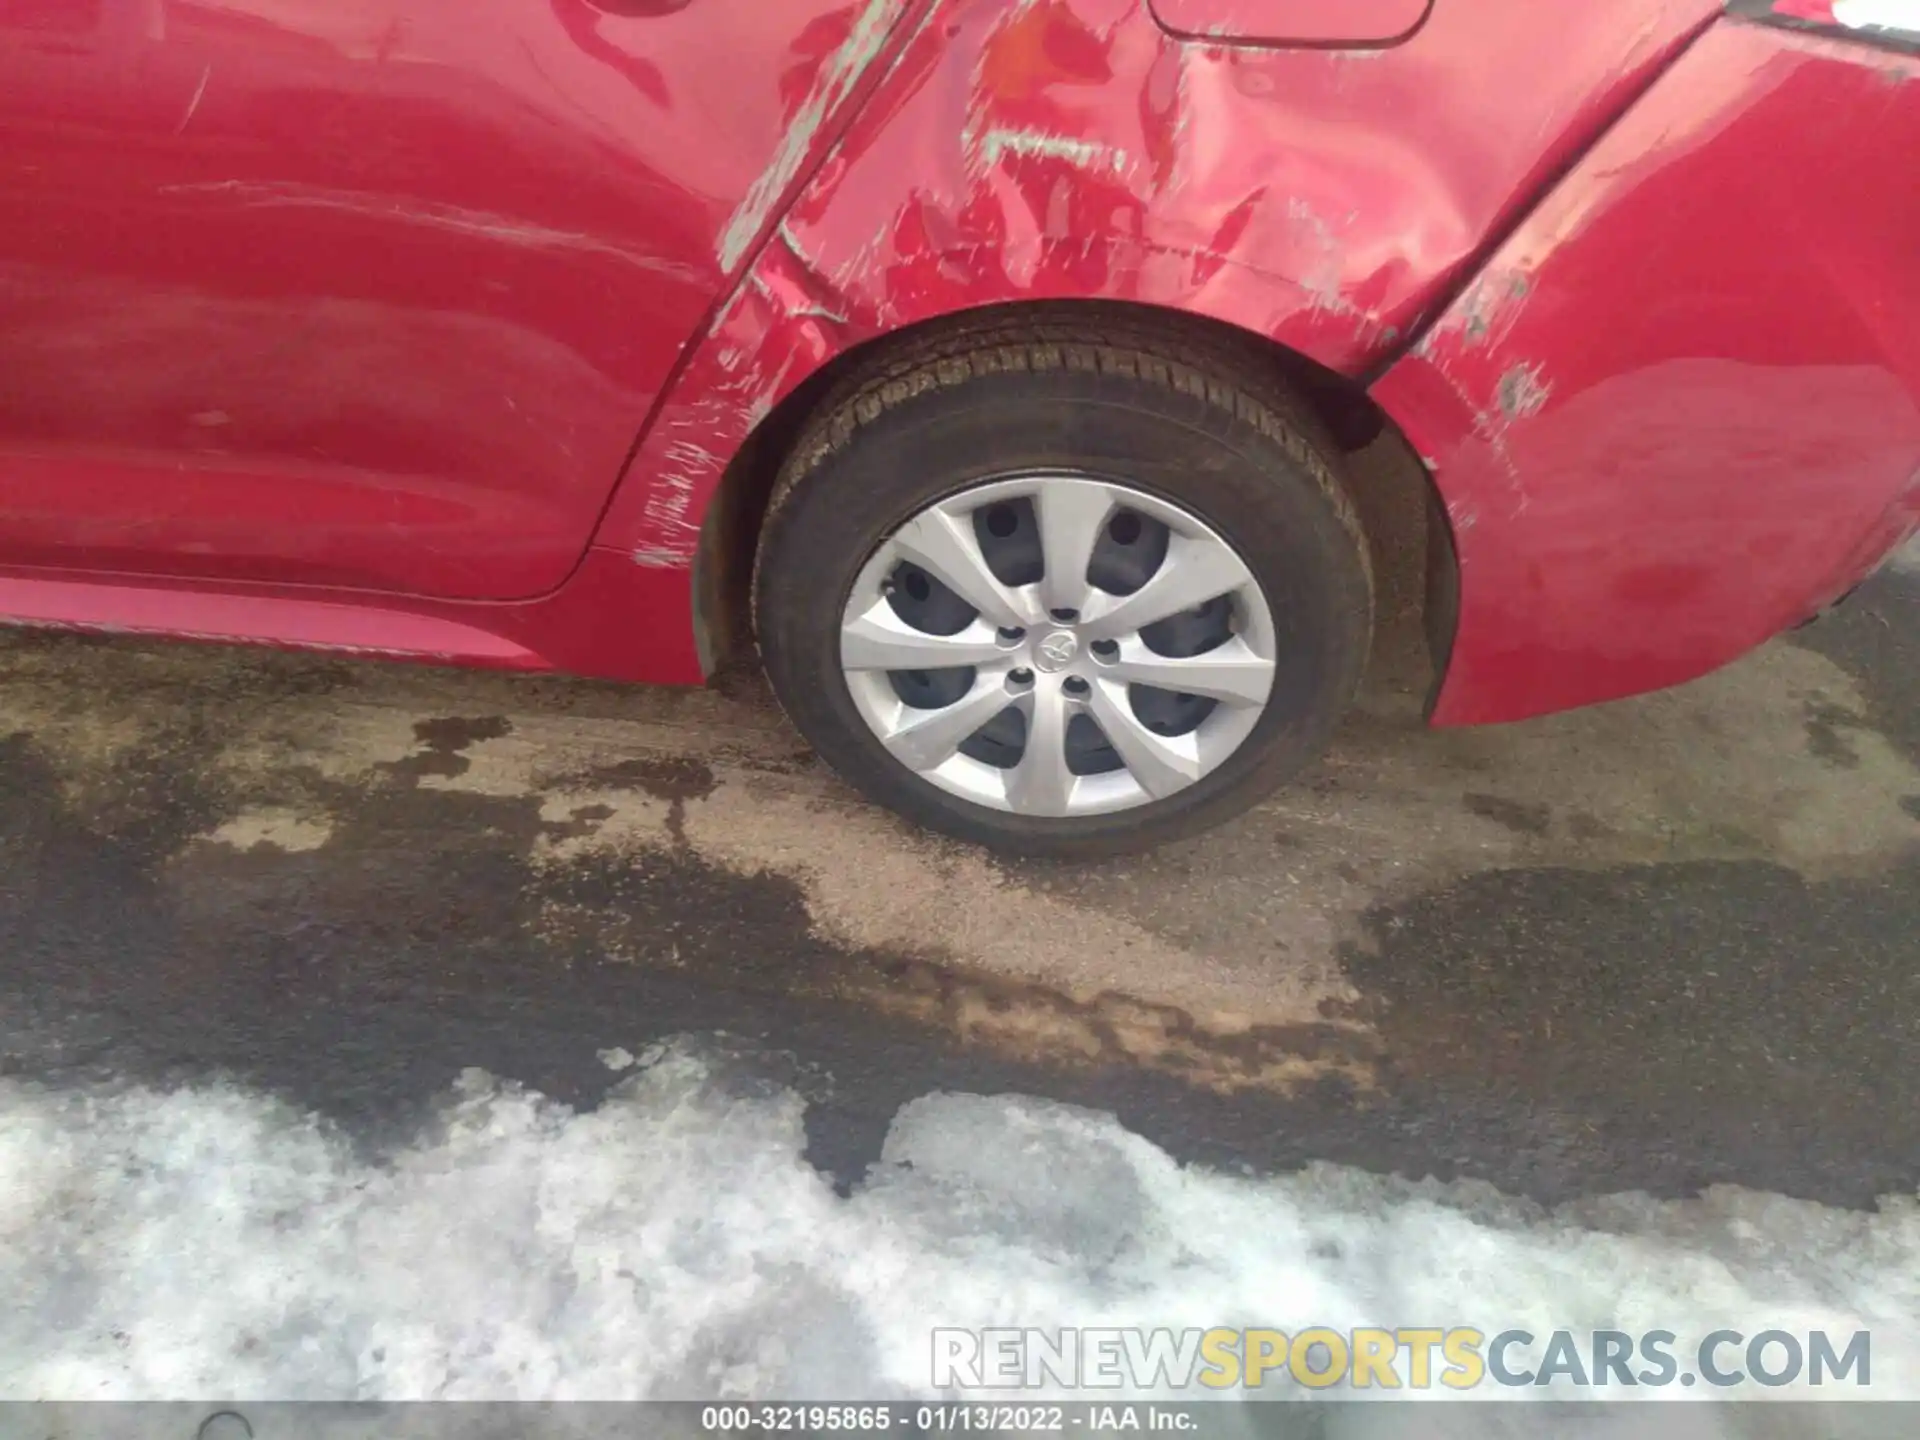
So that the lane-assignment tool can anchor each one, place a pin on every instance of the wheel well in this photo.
(1412, 550)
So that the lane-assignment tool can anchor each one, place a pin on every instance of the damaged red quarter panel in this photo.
(1074, 150)
(1679, 411)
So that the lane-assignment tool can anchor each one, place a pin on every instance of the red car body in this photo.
(435, 328)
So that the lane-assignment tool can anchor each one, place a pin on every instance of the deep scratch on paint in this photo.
(1082, 154)
(832, 85)
(1522, 392)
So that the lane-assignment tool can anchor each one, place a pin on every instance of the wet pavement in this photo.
(1656, 945)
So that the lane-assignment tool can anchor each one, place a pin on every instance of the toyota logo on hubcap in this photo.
(1056, 652)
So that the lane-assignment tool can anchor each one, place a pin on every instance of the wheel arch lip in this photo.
(1650, 469)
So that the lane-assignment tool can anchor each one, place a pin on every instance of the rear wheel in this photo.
(1068, 594)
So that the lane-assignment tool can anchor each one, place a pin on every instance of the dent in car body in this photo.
(1074, 149)
(1723, 293)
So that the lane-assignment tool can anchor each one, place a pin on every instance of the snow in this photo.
(674, 1243)
(1900, 15)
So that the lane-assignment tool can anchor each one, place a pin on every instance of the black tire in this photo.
(1193, 421)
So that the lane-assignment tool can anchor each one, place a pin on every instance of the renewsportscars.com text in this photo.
(1410, 1357)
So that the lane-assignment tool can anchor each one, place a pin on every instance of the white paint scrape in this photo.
(674, 1243)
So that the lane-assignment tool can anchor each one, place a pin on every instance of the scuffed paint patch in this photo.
(1321, 270)
(1481, 319)
(1179, 135)
(1521, 392)
(687, 467)
(801, 290)
(1491, 307)
(783, 232)
(784, 318)
(454, 219)
(834, 82)
(654, 558)
(1484, 313)
(1091, 155)
(1322, 276)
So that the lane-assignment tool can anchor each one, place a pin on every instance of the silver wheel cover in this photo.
(1052, 670)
